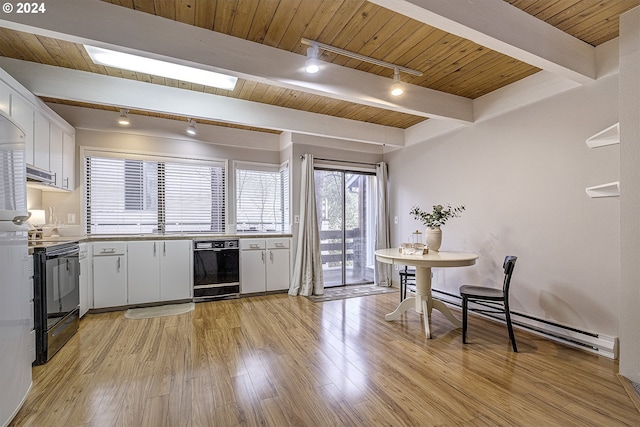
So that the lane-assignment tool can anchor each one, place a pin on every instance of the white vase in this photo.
(434, 238)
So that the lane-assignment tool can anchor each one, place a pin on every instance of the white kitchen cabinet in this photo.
(41, 141)
(264, 265)
(55, 153)
(159, 270)
(278, 264)
(109, 274)
(143, 275)
(68, 161)
(5, 98)
(176, 271)
(22, 113)
(86, 296)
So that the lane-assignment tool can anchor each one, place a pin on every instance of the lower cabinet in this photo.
(265, 265)
(159, 270)
(137, 272)
(109, 274)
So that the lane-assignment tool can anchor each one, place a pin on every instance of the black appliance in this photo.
(216, 269)
(56, 281)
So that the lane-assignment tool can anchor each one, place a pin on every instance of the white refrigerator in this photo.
(16, 317)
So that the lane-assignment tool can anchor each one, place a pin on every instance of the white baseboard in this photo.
(592, 342)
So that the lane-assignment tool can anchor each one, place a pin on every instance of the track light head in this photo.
(191, 128)
(312, 65)
(397, 88)
(123, 119)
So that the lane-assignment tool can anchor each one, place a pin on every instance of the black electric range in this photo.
(56, 296)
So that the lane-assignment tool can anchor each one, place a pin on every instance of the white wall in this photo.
(630, 196)
(522, 178)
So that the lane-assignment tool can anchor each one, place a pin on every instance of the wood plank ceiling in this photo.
(449, 63)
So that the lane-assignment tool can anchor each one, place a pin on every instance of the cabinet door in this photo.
(5, 99)
(55, 153)
(22, 114)
(278, 269)
(86, 300)
(68, 161)
(143, 259)
(252, 271)
(41, 142)
(176, 271)
(109, 281)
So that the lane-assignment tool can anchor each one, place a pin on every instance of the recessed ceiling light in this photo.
(155, 67)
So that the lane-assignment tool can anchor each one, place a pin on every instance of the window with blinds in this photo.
(131, 196)
(262, 198)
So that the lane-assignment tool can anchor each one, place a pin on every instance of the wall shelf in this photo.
(609, 136)
(611, 189)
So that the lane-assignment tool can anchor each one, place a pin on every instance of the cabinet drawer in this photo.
(252, 244)
(109, 248)
(278, 243)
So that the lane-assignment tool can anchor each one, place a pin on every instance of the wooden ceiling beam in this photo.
(503, 28)
(105, 25)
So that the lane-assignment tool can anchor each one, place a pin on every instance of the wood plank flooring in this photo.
(286, 361)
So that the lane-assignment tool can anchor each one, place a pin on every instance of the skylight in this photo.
(155, 67)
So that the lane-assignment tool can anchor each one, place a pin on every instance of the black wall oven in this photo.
(216, 269)
(56, 279)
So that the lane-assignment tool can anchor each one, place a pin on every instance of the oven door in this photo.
(62, 286)
(216, 273)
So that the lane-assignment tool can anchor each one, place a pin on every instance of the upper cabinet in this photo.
(68, 161)
(49, 140)
(22, 114)
(5, 99)
(41, 142)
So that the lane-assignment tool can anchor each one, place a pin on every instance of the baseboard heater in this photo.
(595, 343)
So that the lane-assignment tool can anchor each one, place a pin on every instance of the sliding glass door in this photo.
(346, 214)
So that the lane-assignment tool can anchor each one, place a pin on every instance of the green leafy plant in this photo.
(438, 216)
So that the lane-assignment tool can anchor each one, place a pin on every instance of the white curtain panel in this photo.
(307, 269)
(383, 238)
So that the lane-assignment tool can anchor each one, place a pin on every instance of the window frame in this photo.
(153, 157)
(265, 167)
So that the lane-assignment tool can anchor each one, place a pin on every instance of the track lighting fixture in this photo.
(123, 119)
(311, 66)
(191, 128)
(397, 87)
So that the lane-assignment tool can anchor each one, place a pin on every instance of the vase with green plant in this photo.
(435, 219)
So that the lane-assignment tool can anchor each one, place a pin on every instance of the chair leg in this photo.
(512, 336)
(403, 289)
(465, 304)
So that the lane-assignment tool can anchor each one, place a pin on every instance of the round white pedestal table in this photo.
(423, 302)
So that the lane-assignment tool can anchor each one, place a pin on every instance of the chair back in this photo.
(509, 264)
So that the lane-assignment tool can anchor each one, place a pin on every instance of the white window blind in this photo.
(262, 198)
(130, 196)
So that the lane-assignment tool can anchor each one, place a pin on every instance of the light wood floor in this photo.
(279, 360)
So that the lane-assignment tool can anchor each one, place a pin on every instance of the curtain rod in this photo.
(341, 161)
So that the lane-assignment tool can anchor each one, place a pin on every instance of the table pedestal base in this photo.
(423, 302)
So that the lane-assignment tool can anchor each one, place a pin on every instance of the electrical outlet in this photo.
(395, 221)
(296, 219)
(396, 266)
(71, 218)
